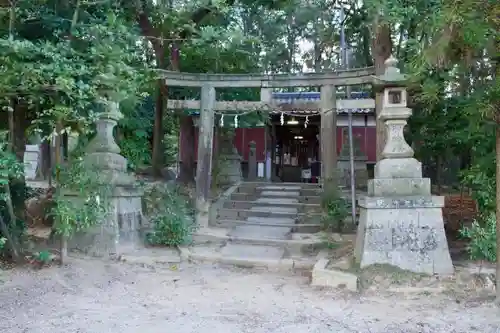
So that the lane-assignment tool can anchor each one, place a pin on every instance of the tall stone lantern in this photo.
(121, 227)
(401, 223)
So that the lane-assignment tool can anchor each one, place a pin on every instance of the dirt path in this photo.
(90, 296)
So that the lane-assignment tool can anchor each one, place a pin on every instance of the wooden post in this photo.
(205, 145)
(328, 134)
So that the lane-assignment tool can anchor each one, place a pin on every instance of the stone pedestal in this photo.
(401, 223)
(121, 226)
(406, 232)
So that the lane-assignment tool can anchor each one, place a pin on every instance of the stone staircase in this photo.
(293, 206)
(264, 224)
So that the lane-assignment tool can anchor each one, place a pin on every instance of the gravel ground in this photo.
(98, 297)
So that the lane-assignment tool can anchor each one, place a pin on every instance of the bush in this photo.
(170, 215)
(93, 203)
(335, 209)
(482, 237)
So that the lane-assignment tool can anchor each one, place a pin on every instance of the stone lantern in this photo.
(121, 227)
(401, 223)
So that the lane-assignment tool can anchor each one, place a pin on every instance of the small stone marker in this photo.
(401, 223)
(252, 161)
(31, 161)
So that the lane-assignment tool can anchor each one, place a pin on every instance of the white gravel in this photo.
(97, 297)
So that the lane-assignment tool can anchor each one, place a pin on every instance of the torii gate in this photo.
(327, 107)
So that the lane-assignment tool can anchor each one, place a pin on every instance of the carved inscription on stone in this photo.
(378, 240)
(414, 239)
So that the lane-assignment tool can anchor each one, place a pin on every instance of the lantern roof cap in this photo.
(392, 76)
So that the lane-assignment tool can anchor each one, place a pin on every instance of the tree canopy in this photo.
(60, 59)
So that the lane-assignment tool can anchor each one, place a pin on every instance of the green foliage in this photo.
(3, 240)
(335, 209)
(171, 148)
(135, 131)
(11, 170)
(10, 167)
(170, 215)
(65, 77)
(483, 185)
(41, 258)
(82, 199)
(482, 237)
(137, 150)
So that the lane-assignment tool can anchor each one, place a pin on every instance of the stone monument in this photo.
(121, 227)
(252, 160)
(230, 160)
(344, 166)
(401, 223)
(32, 159)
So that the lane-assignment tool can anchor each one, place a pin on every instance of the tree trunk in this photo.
(158, 133)
(187, 130)
(186, 172)
(153, 36)
(21, 123)
(496, 74)
(498, 212)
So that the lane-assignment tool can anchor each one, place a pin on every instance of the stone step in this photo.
(314, 200)
(274, 209)
(277, 201)
(243, 214)
(262, 232)
(271, 222)
(272, 202)
(252, 256)
(302, 199)
(248, 184)
(246, 251)
(294, 243)
(284, 191)
(285, 194)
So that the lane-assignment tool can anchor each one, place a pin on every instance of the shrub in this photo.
(482, 235)
(170, 215)
(93, 204)
(335, 209)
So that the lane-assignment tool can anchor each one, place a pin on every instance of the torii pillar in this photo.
(205, 151)
(328, 135)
